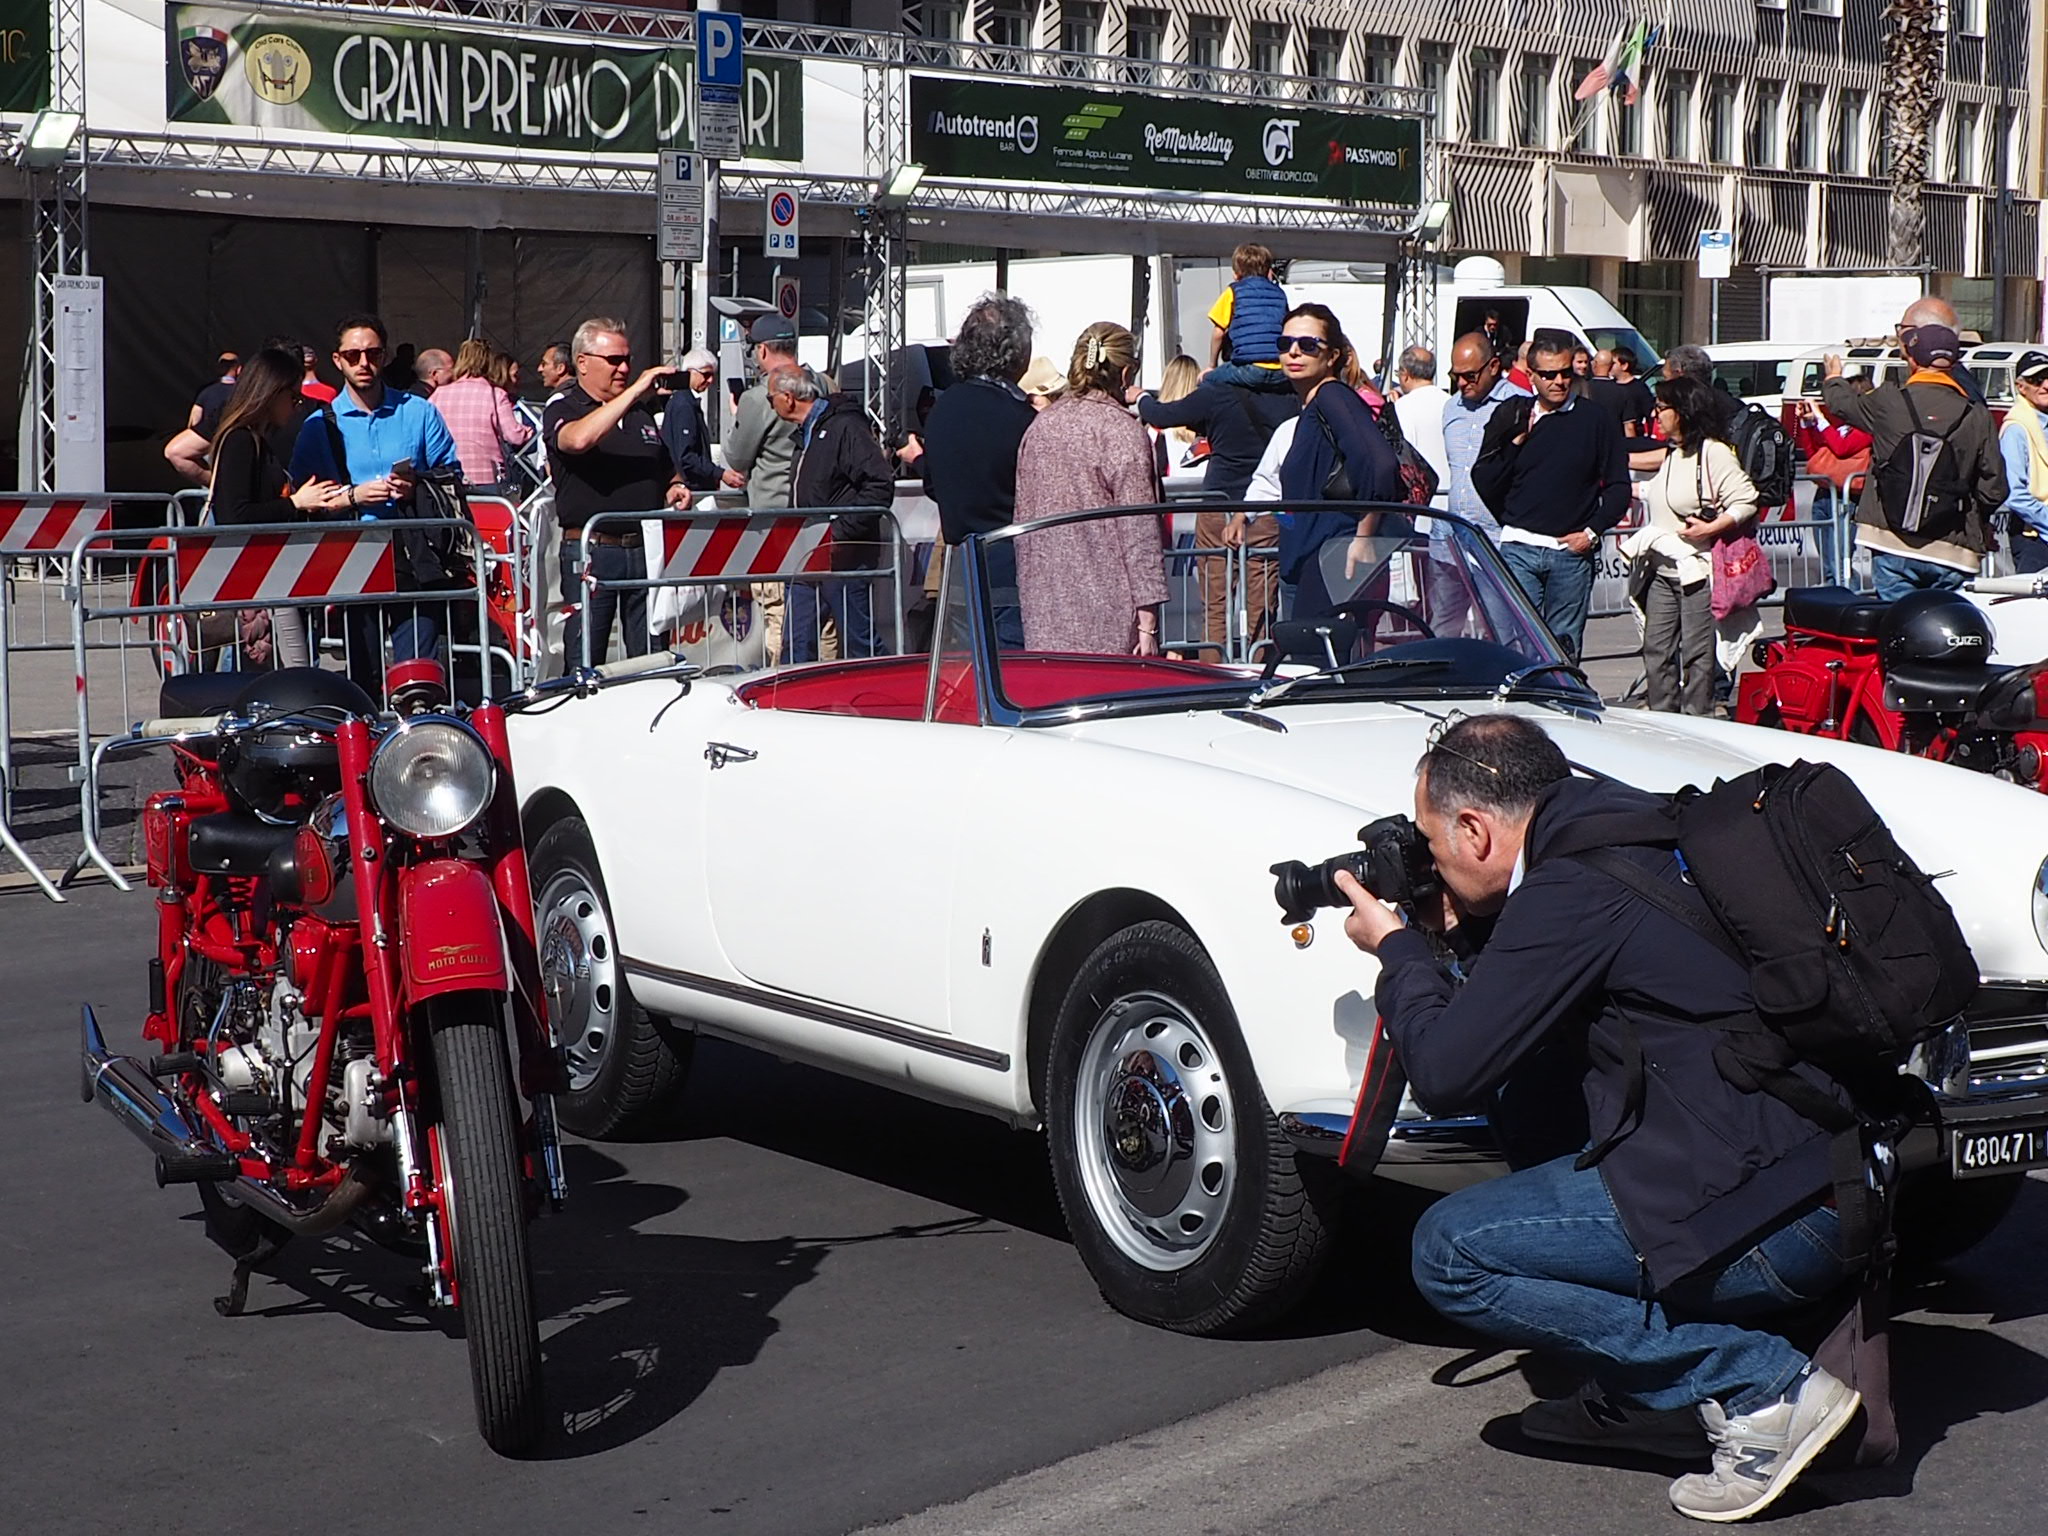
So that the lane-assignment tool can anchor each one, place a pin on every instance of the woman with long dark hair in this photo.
(1339, 454)
(1699, 493)
(250, 484)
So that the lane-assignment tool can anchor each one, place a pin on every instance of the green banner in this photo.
(24, 55)
(984, 131)
(453, 84)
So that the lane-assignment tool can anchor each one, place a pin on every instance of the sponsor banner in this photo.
(984, 131)
(24, 55)
(239, 67)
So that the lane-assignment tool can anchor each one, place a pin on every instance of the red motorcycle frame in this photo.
(332, 999)
(1826, 677)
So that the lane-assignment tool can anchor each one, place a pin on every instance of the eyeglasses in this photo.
(1552, 373)
(615, 360)
(1435, 742)
(1307, 346)
(1467, 375)
(354, 355)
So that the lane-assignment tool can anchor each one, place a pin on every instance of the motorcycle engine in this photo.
(274, 1056)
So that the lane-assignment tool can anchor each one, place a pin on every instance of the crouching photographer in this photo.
(1694, 1210)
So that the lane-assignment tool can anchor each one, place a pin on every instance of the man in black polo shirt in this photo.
(606, 454)
(1554, 471)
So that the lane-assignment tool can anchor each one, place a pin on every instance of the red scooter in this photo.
(346, 999)
(1910, 676)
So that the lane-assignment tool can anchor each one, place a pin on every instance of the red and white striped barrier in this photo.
(734, 548)
(34, 525)
(229, 565)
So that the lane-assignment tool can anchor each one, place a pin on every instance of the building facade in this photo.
(1762, 117)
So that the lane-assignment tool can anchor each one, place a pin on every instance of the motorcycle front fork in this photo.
(421, 1200)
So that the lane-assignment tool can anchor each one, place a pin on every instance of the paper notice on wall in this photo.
(80, 384)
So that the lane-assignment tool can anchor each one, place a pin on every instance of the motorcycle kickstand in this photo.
(265, 1250)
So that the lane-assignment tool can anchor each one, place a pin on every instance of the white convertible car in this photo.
(1039, 886)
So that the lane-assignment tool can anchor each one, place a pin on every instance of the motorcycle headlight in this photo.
(432, 777)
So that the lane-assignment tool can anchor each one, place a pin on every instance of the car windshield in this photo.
(1422, 602)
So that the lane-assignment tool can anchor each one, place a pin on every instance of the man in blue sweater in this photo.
(1555, 472)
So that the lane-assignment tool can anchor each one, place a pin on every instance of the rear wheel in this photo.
(627, 1068)
(1185, 1201)
(483, 1206)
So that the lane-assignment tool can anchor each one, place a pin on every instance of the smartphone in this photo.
(670, 383)
(402, 470)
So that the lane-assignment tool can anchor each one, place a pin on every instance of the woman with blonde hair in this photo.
(1097, 586)
(480, 417)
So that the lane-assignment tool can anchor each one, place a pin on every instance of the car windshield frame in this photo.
(995, 706)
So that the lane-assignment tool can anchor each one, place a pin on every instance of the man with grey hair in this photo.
(1420, 410)
(971, 438)
(761, 450)
(556, 372)
(682, 425)
(838, 464)
(432, 368)
(606, 455)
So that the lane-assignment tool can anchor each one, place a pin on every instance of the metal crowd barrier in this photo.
(177, 594)
(730, 568)
(37, 536)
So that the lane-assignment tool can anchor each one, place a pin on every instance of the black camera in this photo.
(1394, 865)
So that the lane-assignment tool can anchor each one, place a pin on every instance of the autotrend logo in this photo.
(1279, 139)
(1020, 131)
(1087, 118)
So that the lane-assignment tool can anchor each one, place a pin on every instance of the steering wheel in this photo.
(1358, 606)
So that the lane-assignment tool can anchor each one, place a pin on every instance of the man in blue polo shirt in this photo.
(360, 441)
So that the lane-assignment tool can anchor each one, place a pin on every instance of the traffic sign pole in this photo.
(721, 72)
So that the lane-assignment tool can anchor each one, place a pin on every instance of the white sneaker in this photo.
(1758, 1455)
(1591, 1419)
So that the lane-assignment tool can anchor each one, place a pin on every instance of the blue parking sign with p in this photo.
(718, 49)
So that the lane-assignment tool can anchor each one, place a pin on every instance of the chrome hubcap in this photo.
(1155, 1131)
(578, 971)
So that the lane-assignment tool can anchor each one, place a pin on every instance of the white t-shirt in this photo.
(1265, 484)
(1421, 414)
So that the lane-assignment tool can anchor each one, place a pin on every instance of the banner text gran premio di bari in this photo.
(234, 66)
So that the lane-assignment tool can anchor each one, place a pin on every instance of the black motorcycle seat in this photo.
(233, 843)
(1833, 611)
(1923, 689)
(204, 694)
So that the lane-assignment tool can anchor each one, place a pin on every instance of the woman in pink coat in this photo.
(1093, 587)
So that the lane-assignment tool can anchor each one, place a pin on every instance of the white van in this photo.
(1757, 371)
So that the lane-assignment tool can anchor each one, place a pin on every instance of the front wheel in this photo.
(483, 1207)
(1183, 1197)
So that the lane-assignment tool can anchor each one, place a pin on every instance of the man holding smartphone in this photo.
(607, 455)
(374, 439)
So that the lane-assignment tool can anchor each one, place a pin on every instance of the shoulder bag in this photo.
(1742, 571)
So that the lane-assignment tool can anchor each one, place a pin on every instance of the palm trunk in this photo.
(1913, 56)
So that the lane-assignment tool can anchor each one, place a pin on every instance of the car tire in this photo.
(1186, 1202)
(627, 1068)
(1941, 1218)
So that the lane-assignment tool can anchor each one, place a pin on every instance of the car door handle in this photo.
(719, 753)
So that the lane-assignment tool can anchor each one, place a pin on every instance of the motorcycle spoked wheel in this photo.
(473, 1142)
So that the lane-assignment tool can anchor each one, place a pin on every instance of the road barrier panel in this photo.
(179, 592)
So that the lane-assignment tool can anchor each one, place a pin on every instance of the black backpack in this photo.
(1854, 957)
(1765, 452)
(1919, 484)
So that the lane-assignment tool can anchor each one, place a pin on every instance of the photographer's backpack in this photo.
(1764, 450)
(1920, 484)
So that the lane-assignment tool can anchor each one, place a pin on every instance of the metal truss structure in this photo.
(884, 237)
(1418, 270)
(57, 243)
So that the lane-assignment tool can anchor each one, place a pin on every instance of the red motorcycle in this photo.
(1909, 676)
(346, 992)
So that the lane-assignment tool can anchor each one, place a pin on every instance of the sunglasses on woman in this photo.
(1307, 346)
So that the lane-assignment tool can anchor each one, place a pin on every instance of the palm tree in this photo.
(1913, 58)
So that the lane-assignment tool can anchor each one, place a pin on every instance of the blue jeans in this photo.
(1539, 1260)
(1893, 576)
(414, 633)
(1559, 584)
(852, 607)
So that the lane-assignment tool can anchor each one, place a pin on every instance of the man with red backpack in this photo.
(1935, 473)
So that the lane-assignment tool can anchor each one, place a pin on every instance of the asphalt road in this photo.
(821, 1308)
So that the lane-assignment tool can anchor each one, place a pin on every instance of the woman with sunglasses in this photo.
(1339, 453)
(1699, 493)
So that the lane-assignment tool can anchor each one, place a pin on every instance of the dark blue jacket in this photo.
(1575, 959)
(1258, 305)
(1237, 422)
(1335, 424)
(689, 444)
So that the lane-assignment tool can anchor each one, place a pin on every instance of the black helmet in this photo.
(282, 772)
(1934, 629)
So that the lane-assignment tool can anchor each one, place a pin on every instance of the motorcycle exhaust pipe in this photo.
(183, 1156)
